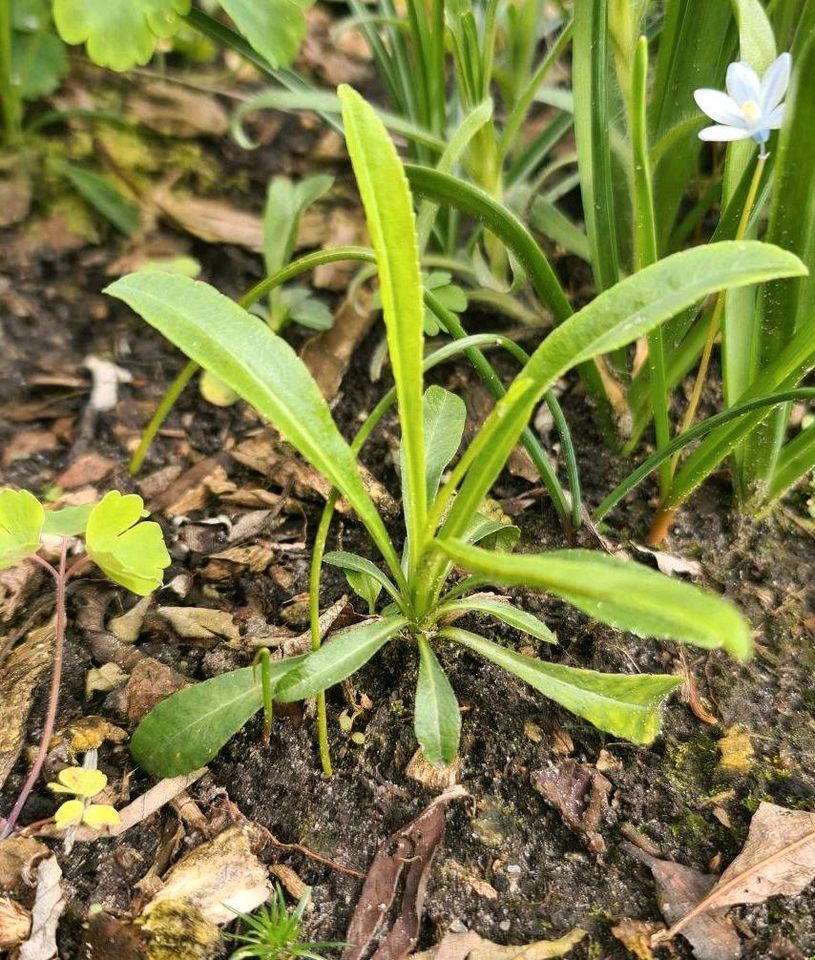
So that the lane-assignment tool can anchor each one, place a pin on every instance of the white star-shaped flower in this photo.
(751, 108)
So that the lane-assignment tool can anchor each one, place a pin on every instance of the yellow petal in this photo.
(69, 814)
(59, 788)
(101, 815)
(82, 782)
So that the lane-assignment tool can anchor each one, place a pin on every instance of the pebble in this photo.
(513, 869)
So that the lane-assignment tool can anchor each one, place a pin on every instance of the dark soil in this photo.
(545, 878)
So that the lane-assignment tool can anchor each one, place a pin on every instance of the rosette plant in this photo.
(416, 592)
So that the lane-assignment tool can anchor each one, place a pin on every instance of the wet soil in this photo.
(543, 879)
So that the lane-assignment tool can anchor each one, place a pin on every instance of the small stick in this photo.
(350, 871)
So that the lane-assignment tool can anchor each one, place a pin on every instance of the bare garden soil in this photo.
(510, 866)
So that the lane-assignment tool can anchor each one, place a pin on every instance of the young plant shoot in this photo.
(444, 509)
(129, 551)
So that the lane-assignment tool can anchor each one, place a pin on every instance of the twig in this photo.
(299, 848)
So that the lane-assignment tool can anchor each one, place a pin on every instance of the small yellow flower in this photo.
(83, 784)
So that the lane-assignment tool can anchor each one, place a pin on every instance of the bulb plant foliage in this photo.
(417, 593)
(126, 549)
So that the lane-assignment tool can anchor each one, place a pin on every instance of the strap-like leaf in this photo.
(625, 705)
(619, 592)
(503, 611)
(436, 720)
(259, 366)
(343, 655)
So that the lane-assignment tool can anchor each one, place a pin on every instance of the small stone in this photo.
(457, 926)
(504, 925)
(513, 869)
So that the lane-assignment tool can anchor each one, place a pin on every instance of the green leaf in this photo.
(436, 718)
(365, 586)
(352, 561)
(68, 522)
(129, 552)
(626, 706)
(119, 33)
(286, 202)
(21, 522)
(337, 659)
(103, 196)
(444, 417)
(493, 534)
(187, 729)
(39, 61)
(618, 592)
(306, 310)
(260, 367)
(391, 224)
(274, 28)
(503, 611)
(215, 391)
(613, 319)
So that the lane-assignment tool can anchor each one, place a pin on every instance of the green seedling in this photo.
(275, 933)
(443, 506)
(129, 551)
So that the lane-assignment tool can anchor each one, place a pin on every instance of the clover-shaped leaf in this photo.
(119, 33)
(83, 783)
(80, 782)
(21, 520)
(130, 553)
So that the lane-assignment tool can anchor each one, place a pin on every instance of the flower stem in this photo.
(662, 523)
(60, 580)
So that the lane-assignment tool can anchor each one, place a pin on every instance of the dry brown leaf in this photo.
(199, 623)
(406, 855)
(679, 888)
(256, 558)
(580, 794)
(28, 444)
(19, 677)
(328, 354)
(177, 111)
(210, 220)
(460, 946)
(635, 936)
(670, 564)
(48, 906)
(89, 468)
(150, 682)
(18, 857)
(15, 924)
(218, 878)
(778, 859)
(128, 626)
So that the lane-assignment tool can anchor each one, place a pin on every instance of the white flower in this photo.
(751, 107)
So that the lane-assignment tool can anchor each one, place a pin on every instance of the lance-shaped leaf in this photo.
(21, 523)
(504, 611)
(444, 418)
(353, 562)
(619, 592)
(343, 655)
(129, 552)
(624, 705)
(187, 729)
(436, 717)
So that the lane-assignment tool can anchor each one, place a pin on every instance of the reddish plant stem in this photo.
(53, 697)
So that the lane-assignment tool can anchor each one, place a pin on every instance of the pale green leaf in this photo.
(391, 224)
(118, 33)
(67, 522)
(624, 705)
(274, 28)
(130, 552)
(444, 417)
(365, 586)
(436, 720)
(353, 562)
(21, 522)
(342, 655)
(619, 592)
(39, 61)
(104, 196)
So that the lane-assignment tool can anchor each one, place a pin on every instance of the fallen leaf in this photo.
(669, 564)
(635, 936)
(199, 623)
(150, 682)
(128, 626)
(737, 753)
(48, 906)
(210, 220)
(580, 794)
(409, 851)
(89, 468)
(18, 858)
(255, 558)
(679, 888)
(15, 924)
(19, 678)
(778, 859)
(218, 878)
(460, 946)
(177, 111)
(328, 354)
(109, 676)
(28, 444)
